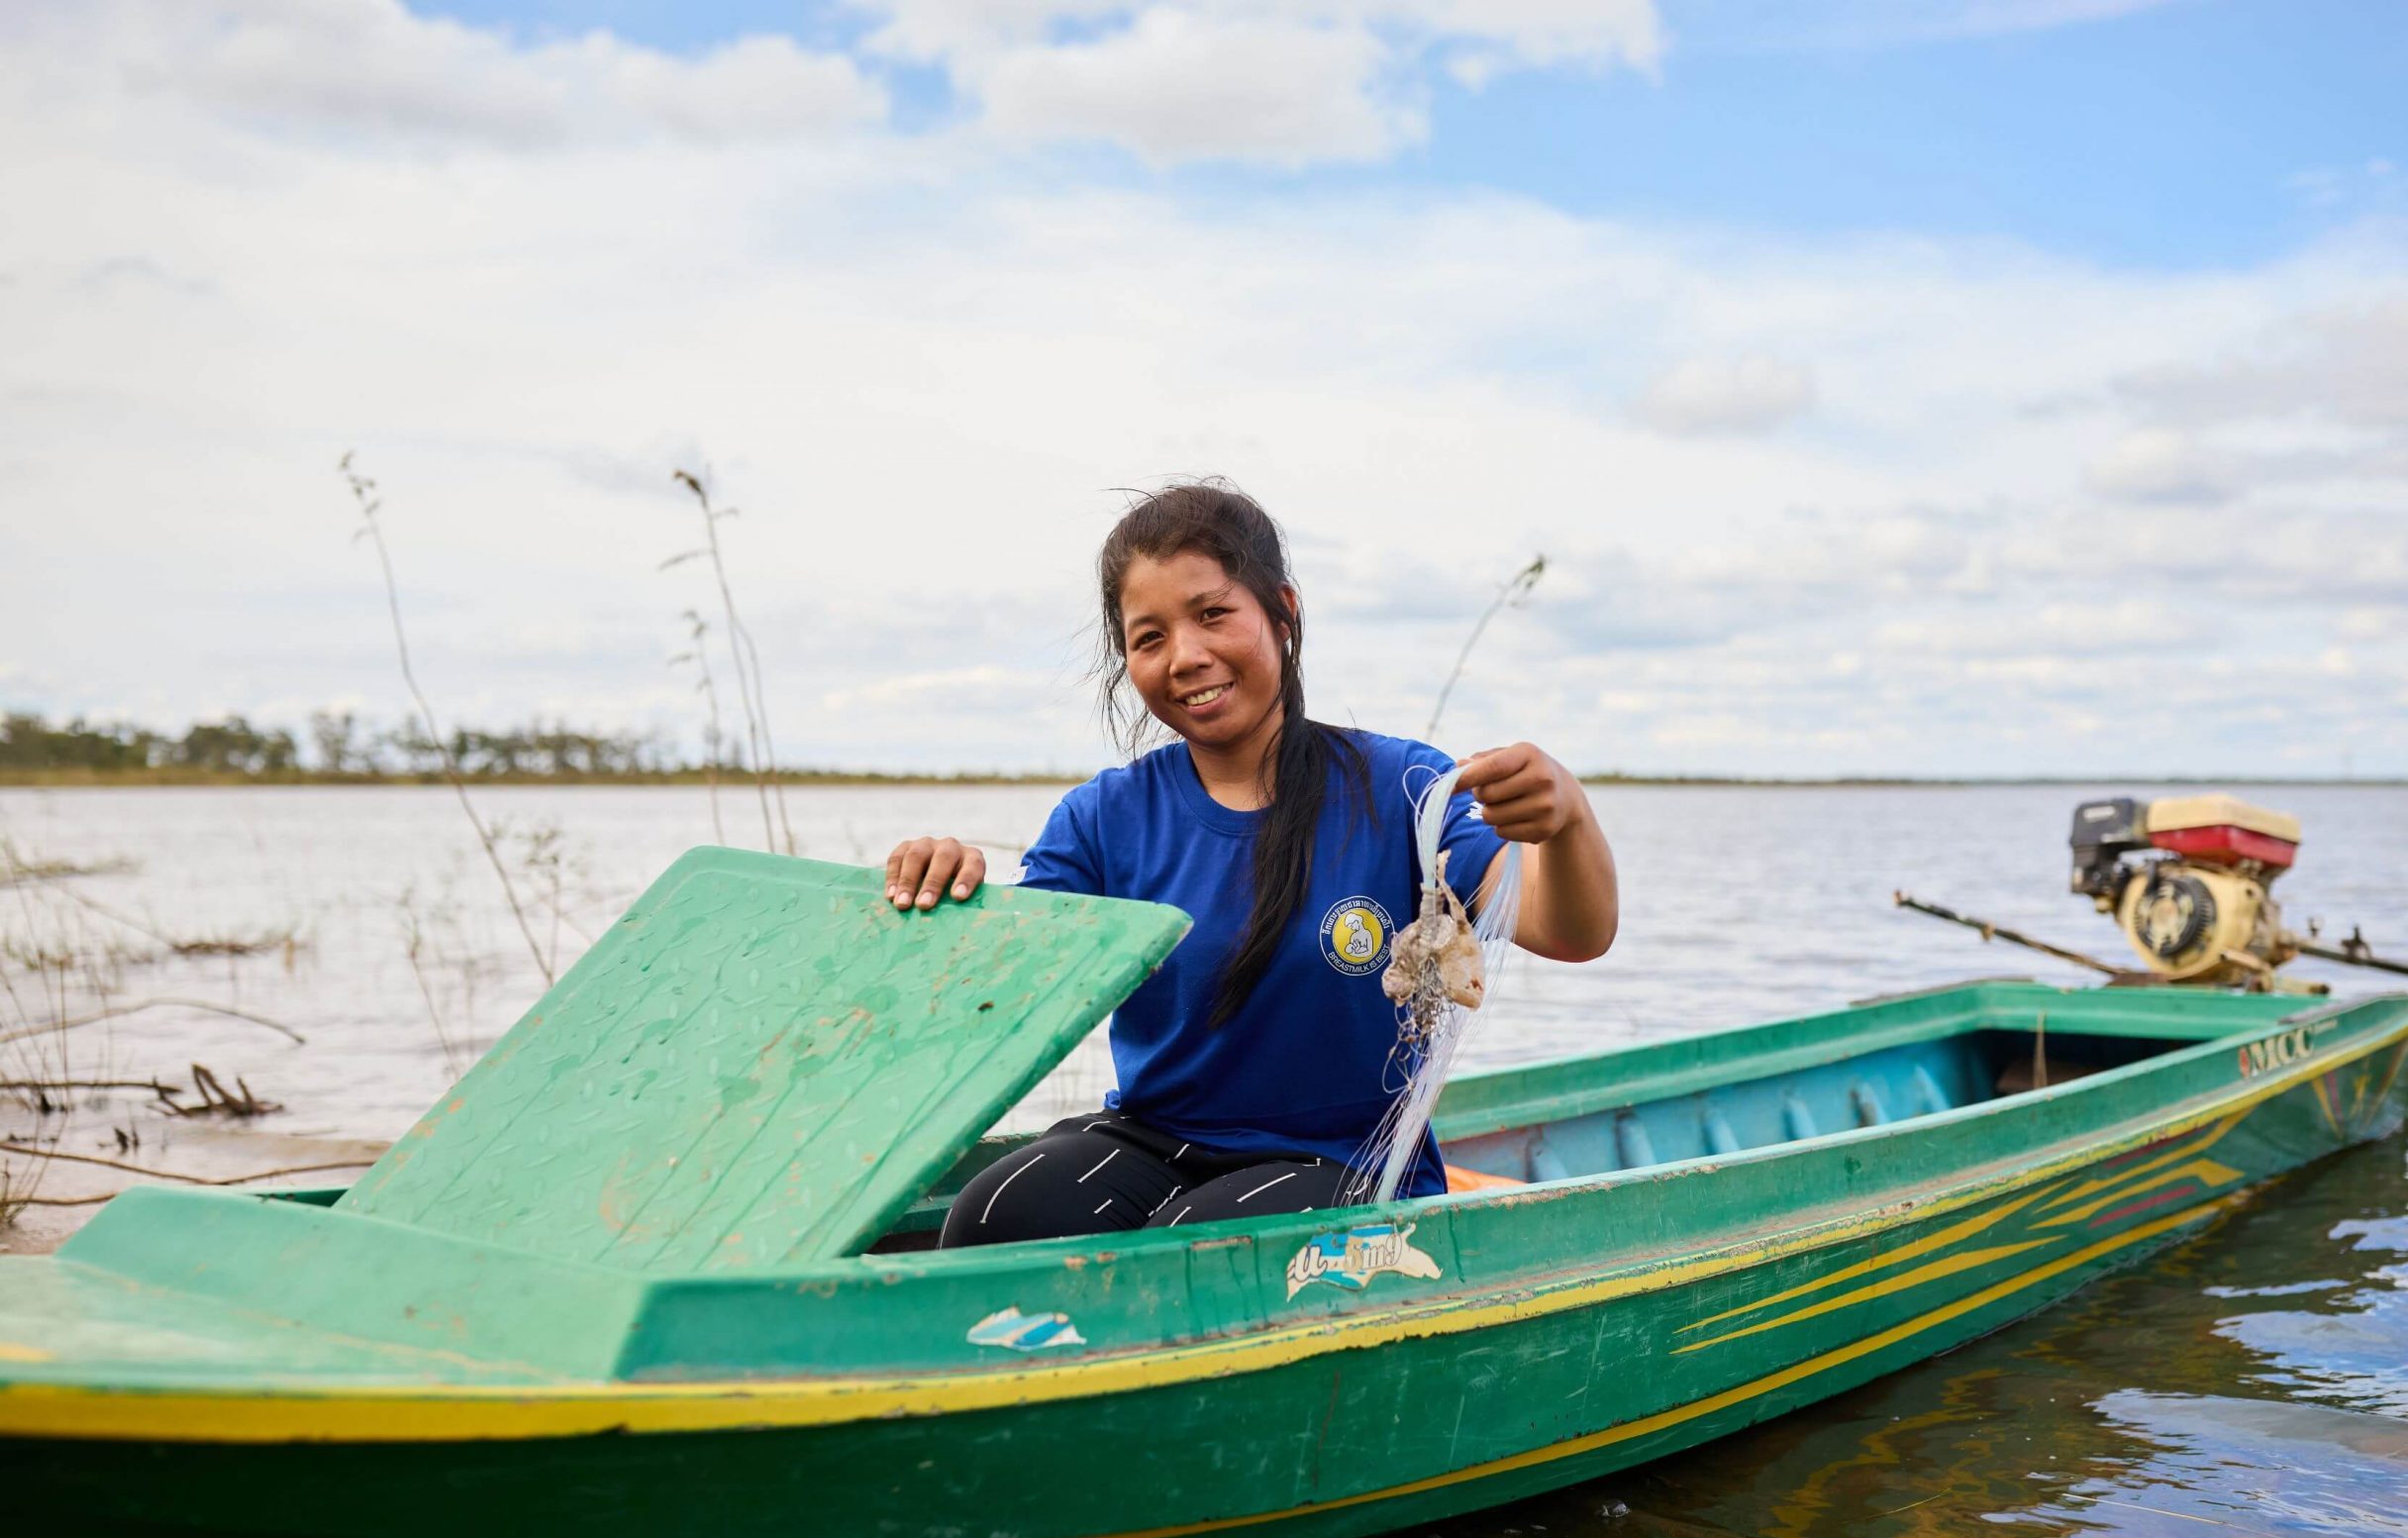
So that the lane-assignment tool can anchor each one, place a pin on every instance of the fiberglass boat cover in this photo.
(760, 1065)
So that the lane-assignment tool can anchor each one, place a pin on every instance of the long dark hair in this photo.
(1216, 519)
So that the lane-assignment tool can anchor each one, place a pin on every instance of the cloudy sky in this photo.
(1925, 386)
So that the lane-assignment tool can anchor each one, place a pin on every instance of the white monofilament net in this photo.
(1430, 1022)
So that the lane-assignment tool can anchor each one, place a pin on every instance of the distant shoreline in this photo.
(172, 777)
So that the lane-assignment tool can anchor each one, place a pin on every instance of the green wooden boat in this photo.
(659, 1262)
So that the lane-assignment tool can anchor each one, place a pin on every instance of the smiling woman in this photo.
(1257, 1064)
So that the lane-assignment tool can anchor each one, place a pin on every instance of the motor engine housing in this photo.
(2188, 880)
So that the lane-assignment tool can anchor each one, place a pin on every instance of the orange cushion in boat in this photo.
(1459, 1178)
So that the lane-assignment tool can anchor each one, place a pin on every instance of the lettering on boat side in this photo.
(1351, 1258)
(2275, 1052)
(1026, 1332)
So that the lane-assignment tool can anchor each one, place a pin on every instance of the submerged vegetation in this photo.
(66, 959)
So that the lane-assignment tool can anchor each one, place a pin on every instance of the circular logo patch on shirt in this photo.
(1355, 935)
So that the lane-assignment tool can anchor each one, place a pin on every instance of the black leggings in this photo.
(1094, 1174)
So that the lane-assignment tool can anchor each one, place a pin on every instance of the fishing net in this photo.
(1443, 967)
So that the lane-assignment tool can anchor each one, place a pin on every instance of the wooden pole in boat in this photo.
(2040, 1052)
(1990, 931)
(2353, 952)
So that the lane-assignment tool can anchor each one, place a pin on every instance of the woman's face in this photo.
(1202, 654)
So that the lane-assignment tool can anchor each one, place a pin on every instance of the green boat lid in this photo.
(761, 1064)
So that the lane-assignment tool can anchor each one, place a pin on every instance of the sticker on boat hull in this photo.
(1026, 1332)
(1351, 1258)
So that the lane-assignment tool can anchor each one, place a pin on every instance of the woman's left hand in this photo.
(1570, 902)
(1524, 794)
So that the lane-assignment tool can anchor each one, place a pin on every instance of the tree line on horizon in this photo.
(336, 745)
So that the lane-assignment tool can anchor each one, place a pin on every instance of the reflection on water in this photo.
(2253, 1380)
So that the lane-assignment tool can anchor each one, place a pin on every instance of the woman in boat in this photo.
(1256, 1065)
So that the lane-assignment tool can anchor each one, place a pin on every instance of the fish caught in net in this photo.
(1441, 970)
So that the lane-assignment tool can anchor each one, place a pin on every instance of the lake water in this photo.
(2255, 1380)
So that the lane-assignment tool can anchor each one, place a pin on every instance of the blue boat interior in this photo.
(1866, 1089)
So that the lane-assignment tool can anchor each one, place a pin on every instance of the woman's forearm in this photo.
(1569, 909)
(1570, 906)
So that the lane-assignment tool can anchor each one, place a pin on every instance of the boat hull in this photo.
(1373, 1420)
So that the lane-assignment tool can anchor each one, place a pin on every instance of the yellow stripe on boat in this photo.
(1946, 1266)
(1904, 1252)
(2206, 1172)
(2108, 1182)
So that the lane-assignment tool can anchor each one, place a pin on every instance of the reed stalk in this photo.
(747, 657)
(60, 1021)
(713, 736)
(1515, 588)
(363, 492)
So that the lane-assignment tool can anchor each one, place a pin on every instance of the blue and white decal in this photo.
(1351, 1258)
(1026, 1332)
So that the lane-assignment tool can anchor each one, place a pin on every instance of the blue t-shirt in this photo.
(1310, 1062)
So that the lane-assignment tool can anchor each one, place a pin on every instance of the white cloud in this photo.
(373, 71)
(1875, 24)
(2366, 623)
(2154, 465)
(1595, 33)
(1261, 80)
(2069, 633)
(919, 373)
(1978, 18)
(1736, 395)
(1179, 86)
(955, 688)
(2372, 186)
(2346, 364)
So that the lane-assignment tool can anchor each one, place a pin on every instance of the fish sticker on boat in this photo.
(1351, 1258)
(1026, 1332)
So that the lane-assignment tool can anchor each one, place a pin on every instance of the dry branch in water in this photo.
(286, 941)
(218, 1100)
(415, 945)
(170, 1174)
(50, 1096)
(14, 868)
(17, 1194)
(700, 657)
(63, 1086)
(69, 1022)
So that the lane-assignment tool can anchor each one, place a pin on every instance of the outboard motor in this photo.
(2188, 880)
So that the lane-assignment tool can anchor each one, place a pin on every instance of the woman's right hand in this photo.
(921, 871)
